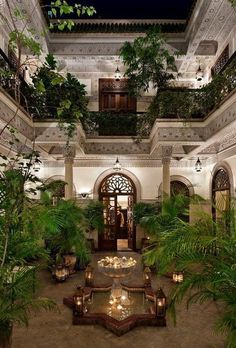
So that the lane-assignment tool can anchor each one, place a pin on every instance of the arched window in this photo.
(220, 193)
(178, 188)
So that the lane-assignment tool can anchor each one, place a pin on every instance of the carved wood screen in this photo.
(111, 187)
(114, 96)
(178, 188)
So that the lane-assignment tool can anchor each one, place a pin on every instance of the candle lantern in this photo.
(160, 300)
(78, 299)
(147, 277)
(89, 276)
(178, 277)
(61, 273)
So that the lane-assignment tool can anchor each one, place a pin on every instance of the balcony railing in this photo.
(116, 124)
(172, 103)
(190, 103)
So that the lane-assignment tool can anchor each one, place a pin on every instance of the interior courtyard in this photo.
(118, 149)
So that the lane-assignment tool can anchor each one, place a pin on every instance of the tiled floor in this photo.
(54, 330)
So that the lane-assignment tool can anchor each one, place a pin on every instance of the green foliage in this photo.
(143, 209)
(60, 8)
(206, 252)
(58, 97)
(17, 300)
(21, 221)
(94, 216)
(147, 61)
(69, 236)
(185, 103)
(117, 123)
(233, 2)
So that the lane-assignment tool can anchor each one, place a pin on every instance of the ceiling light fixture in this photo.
(117, 74)
(117, 165)
(198, 165)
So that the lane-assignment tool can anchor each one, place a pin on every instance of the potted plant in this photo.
(68, 239)
(93, 213)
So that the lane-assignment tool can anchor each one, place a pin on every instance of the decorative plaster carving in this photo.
(166, 152)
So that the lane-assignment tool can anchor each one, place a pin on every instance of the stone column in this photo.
(69, 155)
(166, 157)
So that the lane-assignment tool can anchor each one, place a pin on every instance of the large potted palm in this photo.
(68, 239)
(93, 213)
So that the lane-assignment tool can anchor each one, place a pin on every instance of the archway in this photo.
(220, 192)
(118, 194)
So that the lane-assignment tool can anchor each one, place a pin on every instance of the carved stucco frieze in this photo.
(69, 153)
(115, 148)
(23, 127)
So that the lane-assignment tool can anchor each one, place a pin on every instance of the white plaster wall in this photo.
(150, 178)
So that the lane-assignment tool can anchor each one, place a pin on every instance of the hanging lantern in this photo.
(78, 299)
(89, 276)
(178, 277)
(147, 277)
(61, 273)
(198, 165)
(117, 74)
(160, 300)
(117, 165)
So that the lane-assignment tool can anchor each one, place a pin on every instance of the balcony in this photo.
(116, 124)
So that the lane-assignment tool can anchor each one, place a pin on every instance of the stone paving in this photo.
(54, 329)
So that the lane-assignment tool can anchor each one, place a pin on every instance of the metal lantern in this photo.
(147, 279)
(198, 165)
(117, 74)
(78, 299)
(89, 276)
(178, 277)
(160, 300)
(61, 273)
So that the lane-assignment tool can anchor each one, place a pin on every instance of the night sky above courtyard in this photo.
(138, 9)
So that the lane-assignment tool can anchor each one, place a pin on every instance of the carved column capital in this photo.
(69, 154)
(166, 154)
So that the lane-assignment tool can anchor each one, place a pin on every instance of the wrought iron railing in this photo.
(190, 103)
(172, 103)
(116, 124)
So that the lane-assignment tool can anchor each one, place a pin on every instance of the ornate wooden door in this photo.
(111, 187)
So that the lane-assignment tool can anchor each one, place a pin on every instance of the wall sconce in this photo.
(198, 165)
(84, 195)
(199, 74)
(117, 74)
(117, 165)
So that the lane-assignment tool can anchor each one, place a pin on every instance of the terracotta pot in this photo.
(70, 262)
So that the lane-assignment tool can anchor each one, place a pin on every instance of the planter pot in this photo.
(91, 244)
(70, 262)
(5, 336)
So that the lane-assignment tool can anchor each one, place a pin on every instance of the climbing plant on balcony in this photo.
(58, 97)
(21, 39)
(147, 61)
